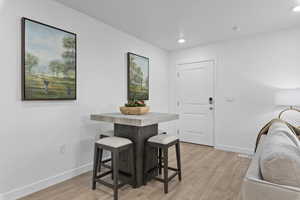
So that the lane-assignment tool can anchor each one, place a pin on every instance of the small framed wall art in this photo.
(138, 77)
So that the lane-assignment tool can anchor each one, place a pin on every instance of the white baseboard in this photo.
(235, 149)
(42, 184)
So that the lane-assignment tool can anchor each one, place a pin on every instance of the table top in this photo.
(135, 120)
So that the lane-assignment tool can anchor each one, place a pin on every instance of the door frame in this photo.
(178, 66)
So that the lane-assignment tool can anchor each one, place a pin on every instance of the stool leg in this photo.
(96, 156)
(112, 164)
(159, 161)
(178, 160)
(116, 173)
(166, 170)
(132, 165)
(145, 167)
(100, 160)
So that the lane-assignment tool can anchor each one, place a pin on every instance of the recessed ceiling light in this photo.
(236, 28)
(296, 9)
(181, 41)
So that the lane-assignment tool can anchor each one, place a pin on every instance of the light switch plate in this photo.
(229, 99)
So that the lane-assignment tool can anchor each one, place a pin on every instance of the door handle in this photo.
(211, 108)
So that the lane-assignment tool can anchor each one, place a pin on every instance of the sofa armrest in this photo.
(255, 189)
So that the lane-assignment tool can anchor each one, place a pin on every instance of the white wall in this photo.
(250, 70)
(31, 133)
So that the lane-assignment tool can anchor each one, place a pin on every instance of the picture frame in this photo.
(137, 77)
(48, 62)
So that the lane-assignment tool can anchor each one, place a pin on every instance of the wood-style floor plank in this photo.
(208, 174)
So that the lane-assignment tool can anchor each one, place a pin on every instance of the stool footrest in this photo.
(172, 168)
(99, 180)
(172, 176)
(104, 174)
(157, 167)
(169, 178)
(106, 160)
(103, 163)
(109, 184)
(110, 171)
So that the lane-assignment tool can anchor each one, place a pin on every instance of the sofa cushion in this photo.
(280, 156)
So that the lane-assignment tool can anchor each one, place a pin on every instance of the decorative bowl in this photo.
(134, 110)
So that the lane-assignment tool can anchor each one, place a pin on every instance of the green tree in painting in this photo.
(30, 62)
(138, 86)
(69, 55)
(136, 73)
(56, 67)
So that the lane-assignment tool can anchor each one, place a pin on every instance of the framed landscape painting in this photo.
(138, 77)
(48, 62)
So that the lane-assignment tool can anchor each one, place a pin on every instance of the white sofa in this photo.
(255, 188)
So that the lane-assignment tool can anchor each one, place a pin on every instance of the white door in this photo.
(195, 102)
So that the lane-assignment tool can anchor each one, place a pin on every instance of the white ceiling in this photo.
(162, 22)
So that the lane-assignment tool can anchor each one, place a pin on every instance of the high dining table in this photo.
(137, 128)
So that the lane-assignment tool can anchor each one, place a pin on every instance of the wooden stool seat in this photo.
(163, 139)
(114, 142)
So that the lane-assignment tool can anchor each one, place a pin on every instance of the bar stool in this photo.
(115, 145)
(163, 142)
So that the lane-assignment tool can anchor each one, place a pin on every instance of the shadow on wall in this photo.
(263, 94)
(85, 143)
(263, 99)
(1, 6)
(43, 104)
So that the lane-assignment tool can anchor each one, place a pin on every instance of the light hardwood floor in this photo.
(208, 174)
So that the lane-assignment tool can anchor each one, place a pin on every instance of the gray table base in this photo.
(139, 136)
